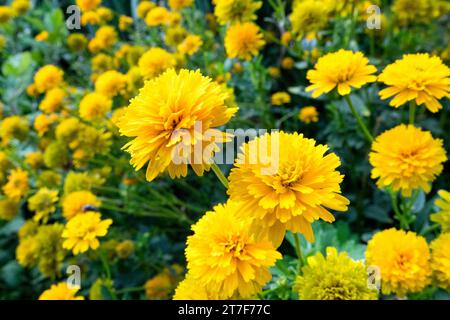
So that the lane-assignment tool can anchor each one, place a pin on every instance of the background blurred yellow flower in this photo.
(243, 41)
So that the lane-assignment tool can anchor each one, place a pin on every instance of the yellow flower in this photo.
(90, 17)
(49, 179)
(225, 257)
(190, 45)
(42, 36)
(406, 158)
(161, 286)
(76, 42)
(48, 77)
(53, 100)
(81, 232)
(188, 289)
(287, 63)
(309, 16)
(180, 4)
(2, 42)
(56, 155)
(88, 5)
(105, 38)
(334, 277)
(308, 114)
(416, 77)
(274, 72)
(94, 106)
(415, 11)
(154, 62)
(125, 22)
(9, 208)
(17, 185)
(111, 83)
(167, 112)
(143, 8)
(42, 203)
(440, 260)
(61, 291)
(34, 159)
(232, 11)
(79, 202)
(157, 16)
(125, 249)
(26, 252)
(342, 69)
(280, 98)
(21, 6)
(403, 259)
(105, 14)
(6, 13)
(243, 41)
(443, 217)
(79, 181)
(67, 132)
(286, 182)
(13, 127)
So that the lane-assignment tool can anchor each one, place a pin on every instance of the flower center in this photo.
(235, 246)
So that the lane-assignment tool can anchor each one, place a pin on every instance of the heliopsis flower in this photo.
(443, 217)
(280, 98)
(308, 114)
(43, 203)
(168, 112)
(49, 179)
(225, 257)
(90, 17)
(161, 286)
(88, 5)
(287, 63)
(309, 16)
(180, 4)
(106, 37)
(125, 249)
(440, 260)
(79, 202)
(81, 232)
(334, 277)
(9, 208)
(53, 100)
(103, 62)
(56, 155)
(416, 77)
(403, 259)
(111, 83)
(17, 185)
(94, 106)
(274, 72)
(155, 61)
(48, 77)
(232, 11)
(415, 11)
(286, 182)
(125, 22)
(143, 8)
(6, 13)
(406, 158)
(77, 42)
(34, 159)
(343, 70)
(189, 289)
(61, 291)
(21, 6)
(243, 41)
(105, 14)
(157, 16)
(26, 252)
(13, 127)
(42, 36)
(80, 181)
(190, 45)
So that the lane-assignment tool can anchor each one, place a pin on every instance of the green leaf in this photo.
(17, 65)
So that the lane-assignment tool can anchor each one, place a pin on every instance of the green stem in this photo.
(298, 249)
(430, 229)
(361, 124)
(219, 175)
(108, 272)
(132, 289)
(412, 112)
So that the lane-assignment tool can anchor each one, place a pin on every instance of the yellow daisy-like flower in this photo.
(21, 6)
(232, 11)
(243, 41)
(79, 202)
(225, 257)
(342, 69)
(157, 16)
(43, 203)
(415, 11)
(286, 182)
(154, 62)
(125, 22)
(94, 106)
(106, 37)
(90, 17)
(416, 77)
(180, 4)
(188, 289)
(17, 185)
(8, 209)
(6, 13)
(13, 127)
(403, 259)
(144, 7)
(280, 98)
(190, 45)
(53, 100)
(334, 277)
(161, 286)
(443, 217)
(308, 114)
(60, 291)
(42, 36)
(111, 83)
(34, 159)
(81, 232)
(440, 260)
(48, 77)
(309, 16)
(172, 112)
(406, 158)
(77, 42)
